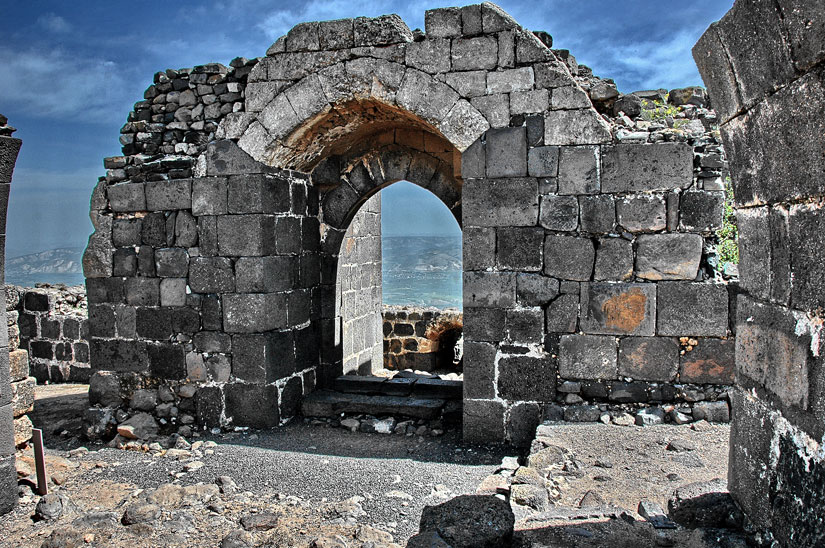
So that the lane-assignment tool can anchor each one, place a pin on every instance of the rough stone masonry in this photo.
(233, 264)
(763, 65)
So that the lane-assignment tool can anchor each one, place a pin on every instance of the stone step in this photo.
(326, 403)
(400, 386)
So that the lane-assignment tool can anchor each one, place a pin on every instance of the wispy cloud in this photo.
(56, 84)
(54, 23)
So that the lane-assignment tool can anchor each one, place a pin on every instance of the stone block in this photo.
(172, 262)
(209, 196)
(428, 98)
(524, 325)
(153, 323)
(587, 357)
(712, 411)
(559, 213)
(543, 161)
(506, 152)
(529, 102)
(169, 195)
(504, 202)
(225, 157)
(23, 396)
(598, 213)
(254, 312)
(153, 230)
(19, 365)
(510, 80)
(124, 262)
(522, 422)
(479, 248)
(479, 370)
(119, 355)
(569, 97)
(143, 291)
(468, 84)
(167, 360)
(489, 289)
(628, 392)
(614, 260)
(803, 23)
(649, 358)
(126, 197)
(258, 194)
(643, 213)
(691, 309)
(432, 56)
(246, 235)
(252, 405)
(126, 232)
(526, 378)
(173, 292)
(773, 352)
(265, 274)
(709, 362)
(701, 211)
(641, 168)
(575, 127)
(519, 248)
(754, 27)
(579, 170)
(568, 257)
(263, 358)
(186, 230)
(806, 240)
(211, 275)
(495, 108)
(483, 421)
(562, 314)
(484, 324)
(442, 23)
(618, 309)
(714, 65)
(337, 34)
(535, 289)
(668, 256)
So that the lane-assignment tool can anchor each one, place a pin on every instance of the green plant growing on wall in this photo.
(728, 247)
(659, 112)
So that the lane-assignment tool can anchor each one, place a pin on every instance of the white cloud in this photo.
(54, 23)
(54, 84)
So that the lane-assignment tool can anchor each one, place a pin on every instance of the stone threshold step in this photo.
(400, 386)
(326, 403)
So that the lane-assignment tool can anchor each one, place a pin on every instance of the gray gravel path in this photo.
(396, 475)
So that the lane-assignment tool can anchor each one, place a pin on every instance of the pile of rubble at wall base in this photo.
(50, 325)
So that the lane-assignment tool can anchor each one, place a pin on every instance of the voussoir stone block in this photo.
(692, 309)
(587, 357)
(668, 256)
(618, 309)
(640, 168)
(568, 257)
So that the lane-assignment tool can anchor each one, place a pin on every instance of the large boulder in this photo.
(470, 521)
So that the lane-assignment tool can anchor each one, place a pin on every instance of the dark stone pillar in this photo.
(9, 147)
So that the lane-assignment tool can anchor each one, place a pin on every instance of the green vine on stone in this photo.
(728, 247)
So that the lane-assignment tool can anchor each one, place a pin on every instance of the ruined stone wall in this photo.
(359, 287)
(218, 270)
(9, 148)
(49, 325)
(763, 66)
(422, 339)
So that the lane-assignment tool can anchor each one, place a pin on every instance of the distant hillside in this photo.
(54, 266)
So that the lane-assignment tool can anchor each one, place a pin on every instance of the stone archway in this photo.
(212, 270)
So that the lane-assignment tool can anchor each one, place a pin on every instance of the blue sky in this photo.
(70, 72)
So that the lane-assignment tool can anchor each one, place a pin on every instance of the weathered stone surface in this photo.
(587, 357)
(579, 170)
(689, 309)
(471, 521)
(568, 257)
(254, 312)
(668, 256)
(519, 248)
(507, 152)
(633, 168)
(709, 362)
(574, 127)
(598, 213)
(543, 161)
(489, 289)
(483, 421)
(535, 289)
(649, 358)
(644, 213)
(523, 378)
(614, 260)
(618, 309)
(503, 202)
(562, 314)
(559, 213)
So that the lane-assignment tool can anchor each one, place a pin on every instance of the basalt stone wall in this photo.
(422, 339)
(9, 147)
(588, 233)
(22, 384)
(48, 327)
(763, 63)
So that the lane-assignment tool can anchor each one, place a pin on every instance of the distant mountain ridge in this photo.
(63, 265)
